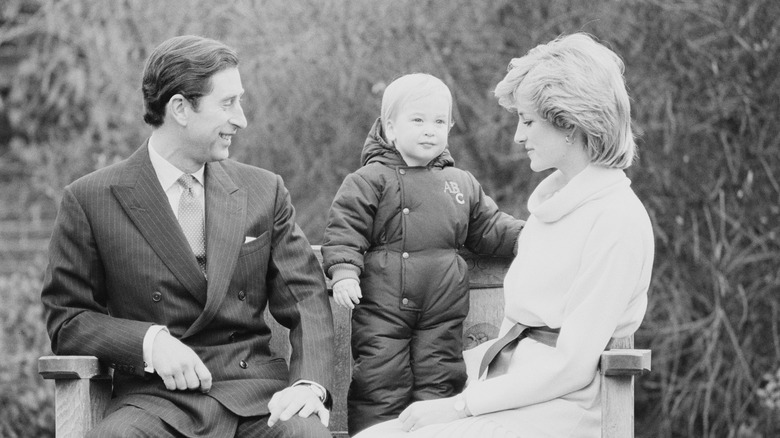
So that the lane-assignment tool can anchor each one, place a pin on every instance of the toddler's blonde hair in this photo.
(410, 87)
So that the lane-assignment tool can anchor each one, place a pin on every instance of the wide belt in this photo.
(499, 355)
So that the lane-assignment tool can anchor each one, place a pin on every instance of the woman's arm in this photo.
(609, 288)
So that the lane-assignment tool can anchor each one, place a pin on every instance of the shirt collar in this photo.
(167, 173)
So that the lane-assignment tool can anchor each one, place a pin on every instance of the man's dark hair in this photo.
(182, 65)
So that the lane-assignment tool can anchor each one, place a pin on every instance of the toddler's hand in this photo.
(347, 293)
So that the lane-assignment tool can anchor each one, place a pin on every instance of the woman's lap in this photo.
(466, 427)
(552, 419)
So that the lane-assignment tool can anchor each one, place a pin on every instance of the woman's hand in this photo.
(424, 413)
(347, 293)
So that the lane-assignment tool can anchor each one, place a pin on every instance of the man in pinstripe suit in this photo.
(185, 334)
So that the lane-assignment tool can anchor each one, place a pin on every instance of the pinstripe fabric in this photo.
(256, 427)
(132, 422)
(119, 263)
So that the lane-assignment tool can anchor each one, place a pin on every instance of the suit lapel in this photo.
(225, 218)
(146, 204)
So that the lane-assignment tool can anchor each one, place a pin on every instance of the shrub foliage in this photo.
(26, 402)
(704, 86)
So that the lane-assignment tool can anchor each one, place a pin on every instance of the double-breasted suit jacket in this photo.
(119, 263)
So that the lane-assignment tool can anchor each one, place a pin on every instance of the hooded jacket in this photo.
(410, 222)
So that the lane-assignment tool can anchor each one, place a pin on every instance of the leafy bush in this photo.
(705, 95)
(707, 99)
(26, 402)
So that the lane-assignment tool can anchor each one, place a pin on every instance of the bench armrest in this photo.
(628, 362)
(619, 367)
(82, 389)
(72, 367)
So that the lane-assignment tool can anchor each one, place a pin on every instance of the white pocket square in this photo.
(248, 239)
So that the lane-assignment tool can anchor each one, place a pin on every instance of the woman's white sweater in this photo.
(583, 265)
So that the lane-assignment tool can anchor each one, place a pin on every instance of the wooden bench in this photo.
(83, 384)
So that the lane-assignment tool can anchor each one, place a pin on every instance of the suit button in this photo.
(402, 172)
(242, 364)
(405, 301)
(156, 296)
(242, 295)
(405, 255)
(406, 211)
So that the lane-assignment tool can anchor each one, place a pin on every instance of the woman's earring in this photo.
(567, 139)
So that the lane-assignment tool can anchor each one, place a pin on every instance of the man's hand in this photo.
(296, 400)
(424, 413)
(347, 293)
(179, 366)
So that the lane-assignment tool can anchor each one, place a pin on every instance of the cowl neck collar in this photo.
(553, 198)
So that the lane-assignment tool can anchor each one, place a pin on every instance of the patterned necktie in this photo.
(191, 220)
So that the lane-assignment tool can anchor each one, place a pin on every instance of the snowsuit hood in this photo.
(377, 150)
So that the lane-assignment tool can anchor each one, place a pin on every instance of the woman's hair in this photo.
(410, 87)
(576, 82)
(182, 65)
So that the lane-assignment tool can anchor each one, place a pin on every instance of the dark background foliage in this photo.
(703, 77)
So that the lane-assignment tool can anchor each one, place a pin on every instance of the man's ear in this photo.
(178, 109)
